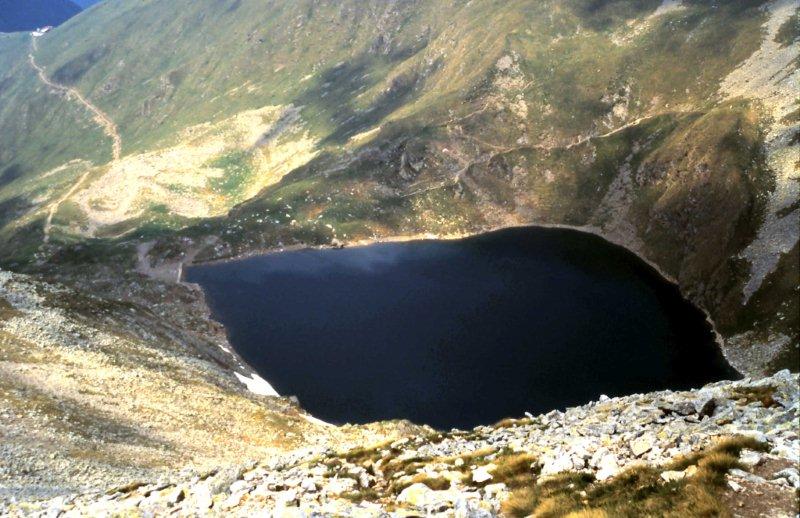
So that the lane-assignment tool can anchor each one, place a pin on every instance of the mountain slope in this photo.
(665, 126)
(673, 455)
(25, 16)
(104, 391)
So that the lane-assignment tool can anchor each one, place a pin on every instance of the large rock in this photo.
(642, 445)
(481, 474)
(560, 463)
(608, 466)
(421, 496)
(683, 408)
(416, 494)
(673, 476)
(705, 404)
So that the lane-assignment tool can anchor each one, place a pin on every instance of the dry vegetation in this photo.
(637, 492)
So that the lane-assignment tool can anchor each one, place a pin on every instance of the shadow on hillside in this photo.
(333, 98)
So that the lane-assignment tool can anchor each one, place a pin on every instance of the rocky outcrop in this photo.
(469, 473)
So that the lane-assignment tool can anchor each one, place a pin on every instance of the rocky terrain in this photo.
(728, 449)
(141, 136)
(96, 392)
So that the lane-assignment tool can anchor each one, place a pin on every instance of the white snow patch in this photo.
(313, 420)
(257, 385)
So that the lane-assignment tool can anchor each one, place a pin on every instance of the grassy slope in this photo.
(428, 74)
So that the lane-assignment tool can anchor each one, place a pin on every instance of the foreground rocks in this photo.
(464, 473)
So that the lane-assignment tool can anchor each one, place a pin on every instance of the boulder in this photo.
(683, 408)
(750, 458)
(308, 485)
(416, 494)
(337, 486)
(744, 475)
(202, 497)
(558, 464)
(494, 490)
(222, 481)
(608, 466)
(175, 496)
(642, 445)
(735, 486)
(790, 475)
(421, 496)
(705, 404)
(481, 474)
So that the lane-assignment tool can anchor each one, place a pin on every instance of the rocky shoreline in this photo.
(477, 473)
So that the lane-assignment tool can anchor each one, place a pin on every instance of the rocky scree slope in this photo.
(669, 127)
(728, 449)
(96, 392)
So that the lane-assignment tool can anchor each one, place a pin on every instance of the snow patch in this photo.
(257, 385)
(313, 420)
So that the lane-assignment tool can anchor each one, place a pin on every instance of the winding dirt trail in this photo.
(103, 120)
(53, 208)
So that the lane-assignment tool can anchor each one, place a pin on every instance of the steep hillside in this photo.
(97, 392)
(670, 127)
(28, 15)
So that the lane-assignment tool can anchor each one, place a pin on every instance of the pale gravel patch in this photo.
(666, 7)
(179, 177)
(637, 28)
(770, 77)
(745, 357)
(612, 213)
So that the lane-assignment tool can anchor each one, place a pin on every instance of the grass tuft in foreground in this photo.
(639, 491)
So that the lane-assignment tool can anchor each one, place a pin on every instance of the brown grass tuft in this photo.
(515, 470)
(638, 491)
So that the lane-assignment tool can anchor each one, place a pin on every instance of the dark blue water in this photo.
(460, 333)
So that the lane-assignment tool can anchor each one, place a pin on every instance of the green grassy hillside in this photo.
(258, 124)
